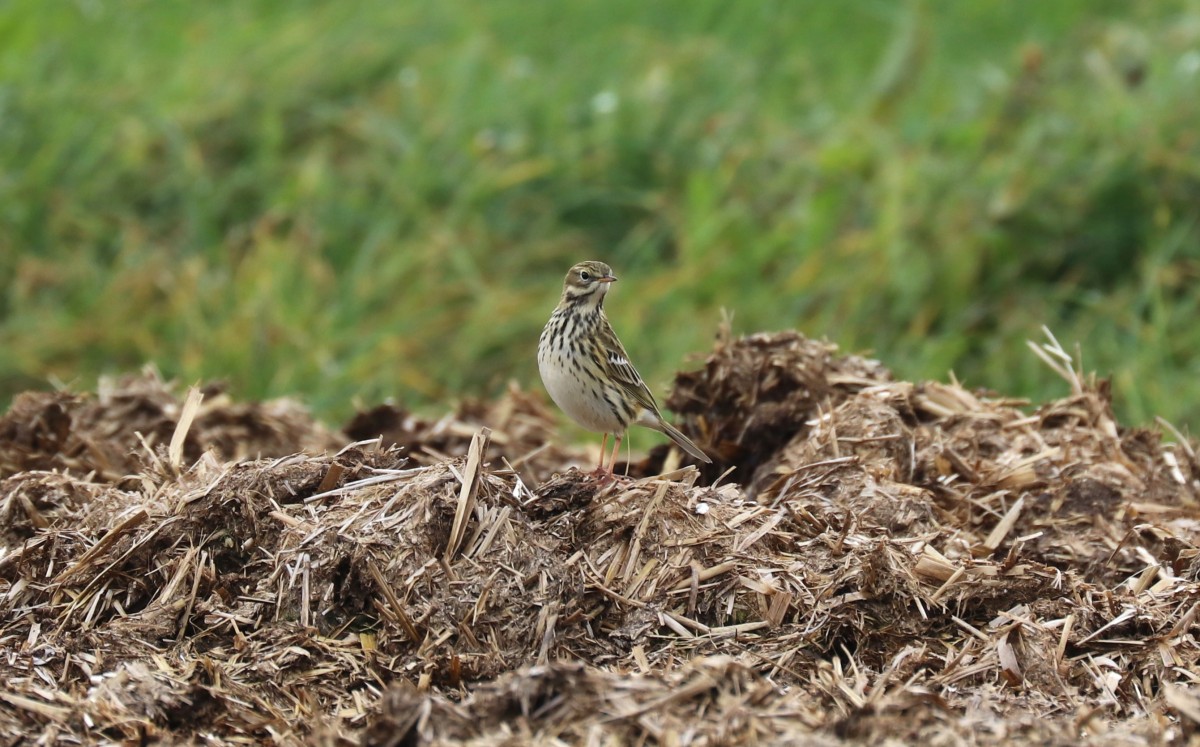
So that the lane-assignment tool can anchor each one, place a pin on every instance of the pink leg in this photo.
(603, 450)
(616, 451)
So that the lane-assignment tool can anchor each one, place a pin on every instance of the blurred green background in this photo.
(356, 201)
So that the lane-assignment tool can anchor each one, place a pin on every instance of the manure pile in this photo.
(868, 560)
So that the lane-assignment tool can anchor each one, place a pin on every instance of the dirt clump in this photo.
(886, 561)
(108, 434)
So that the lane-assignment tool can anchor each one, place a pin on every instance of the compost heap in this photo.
(866, 560)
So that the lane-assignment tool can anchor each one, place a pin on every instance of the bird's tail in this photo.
(684, 442)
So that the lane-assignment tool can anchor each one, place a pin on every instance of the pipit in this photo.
(587, 371)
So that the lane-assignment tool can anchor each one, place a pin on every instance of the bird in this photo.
(587, 372)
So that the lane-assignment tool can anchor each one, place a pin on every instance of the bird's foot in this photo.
(605, 476)
(602, 475)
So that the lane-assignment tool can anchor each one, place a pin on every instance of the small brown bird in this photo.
(587, 371)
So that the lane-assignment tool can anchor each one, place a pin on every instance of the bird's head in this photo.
(587, 282)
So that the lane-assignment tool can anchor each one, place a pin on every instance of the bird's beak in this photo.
(607, 279)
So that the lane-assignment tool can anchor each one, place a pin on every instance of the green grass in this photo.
(355, 201)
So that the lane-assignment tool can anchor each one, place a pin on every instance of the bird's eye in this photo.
(585, 276)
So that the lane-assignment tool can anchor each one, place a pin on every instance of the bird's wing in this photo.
(622, 372)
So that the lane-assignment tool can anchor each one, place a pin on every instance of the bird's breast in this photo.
(573, 377)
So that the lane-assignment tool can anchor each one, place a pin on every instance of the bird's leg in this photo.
(616, 451)
(602, 473)
(603, 450)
